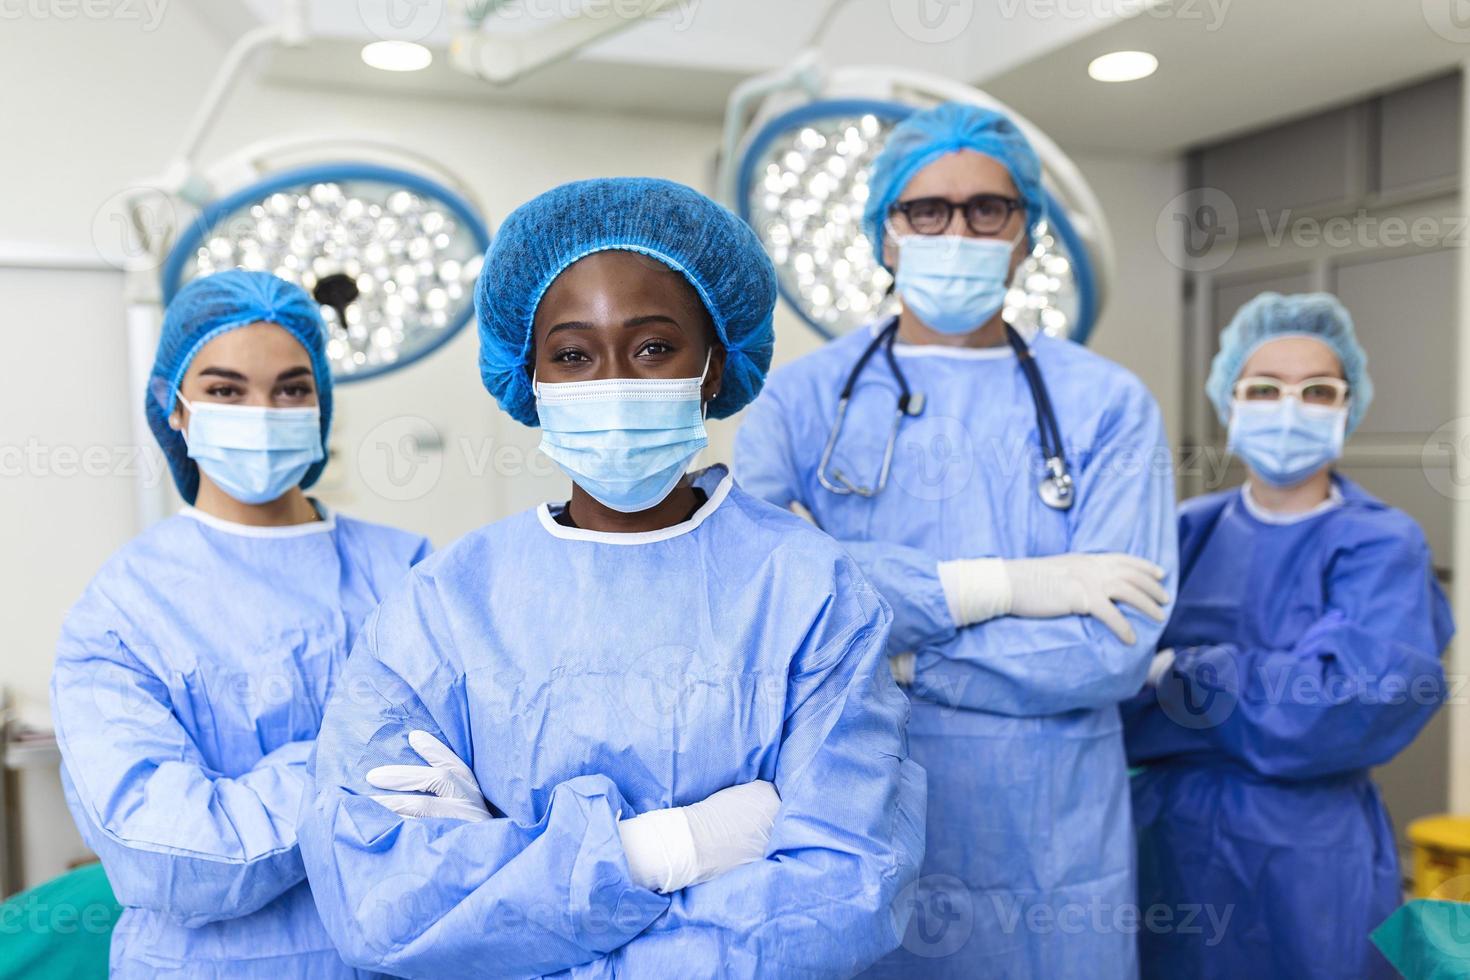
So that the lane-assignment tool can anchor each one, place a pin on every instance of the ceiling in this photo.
(1230, 65)
(683, 61)
(1225, 65)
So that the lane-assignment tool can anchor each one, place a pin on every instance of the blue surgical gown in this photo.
(1030, 852)
(587, 677)
(1305, 653)
(189, 685)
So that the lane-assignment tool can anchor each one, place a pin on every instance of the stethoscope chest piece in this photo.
(1056, 489)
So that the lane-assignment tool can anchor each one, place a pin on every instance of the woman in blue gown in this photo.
(191, 675)
(660, 733)
(1303, 650)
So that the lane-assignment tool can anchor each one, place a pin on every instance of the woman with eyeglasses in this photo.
(1023, 535)
(1303, 650)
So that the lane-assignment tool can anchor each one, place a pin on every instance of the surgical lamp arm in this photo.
(502, 59)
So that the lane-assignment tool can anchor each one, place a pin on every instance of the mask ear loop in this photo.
(183, 433)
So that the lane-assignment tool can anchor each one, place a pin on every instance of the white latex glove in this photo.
(1162, 661)
(975, 589)
(1087, 585)
(902, 667)
(450, 784)
(684, 845)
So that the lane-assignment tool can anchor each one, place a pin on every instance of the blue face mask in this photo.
(626, 441)
(253, 454)
(1284, 441)
(952, 283)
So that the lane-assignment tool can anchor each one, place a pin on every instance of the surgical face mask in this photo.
(952, 283)
(253, 454)
(1284, 441)
(626, 441)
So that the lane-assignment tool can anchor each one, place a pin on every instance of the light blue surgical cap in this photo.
(203, 310)
(950, 127)
(1271, 316)
(714, 250)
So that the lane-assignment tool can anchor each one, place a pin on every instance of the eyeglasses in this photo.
(985, 214)
(1330, 392)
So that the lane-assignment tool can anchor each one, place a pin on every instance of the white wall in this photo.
(1142, 326)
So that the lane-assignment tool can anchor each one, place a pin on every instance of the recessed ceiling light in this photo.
(397, 55)
(1123, 66)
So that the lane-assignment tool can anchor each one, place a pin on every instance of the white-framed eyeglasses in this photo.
(1328, 392)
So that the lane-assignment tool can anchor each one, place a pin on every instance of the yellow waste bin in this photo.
(1441, 857)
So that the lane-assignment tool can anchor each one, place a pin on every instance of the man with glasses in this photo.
(1303, 649)
(1012, 499)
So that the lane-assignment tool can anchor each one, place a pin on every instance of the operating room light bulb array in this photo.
(1042, 297)
(390, 267)
(806, 204)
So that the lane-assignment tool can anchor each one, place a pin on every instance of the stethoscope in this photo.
(1056, 490)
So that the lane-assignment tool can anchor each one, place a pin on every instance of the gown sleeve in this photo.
(1028, 667)
(435, 897)
(1010, 665)
(1352, 693)
(175, 836)
(849, 836)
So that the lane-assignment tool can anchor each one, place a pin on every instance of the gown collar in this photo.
(704, 478)
(1254, 508)
(327, 523)
(901, 349)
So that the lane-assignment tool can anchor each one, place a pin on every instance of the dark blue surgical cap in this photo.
(217, 304)
(950, 127)
(714, 250)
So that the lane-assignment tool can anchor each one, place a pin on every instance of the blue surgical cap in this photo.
(714, 250)
(203, 310)
(1271, 316)
(950, 127)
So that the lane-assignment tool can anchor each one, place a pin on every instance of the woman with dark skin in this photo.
(623, 315)
(660, 735)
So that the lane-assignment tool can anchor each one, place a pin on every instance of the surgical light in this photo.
(397, 56)
(802, 183)
(389, 254)
(804, 186)
(1123, 66)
